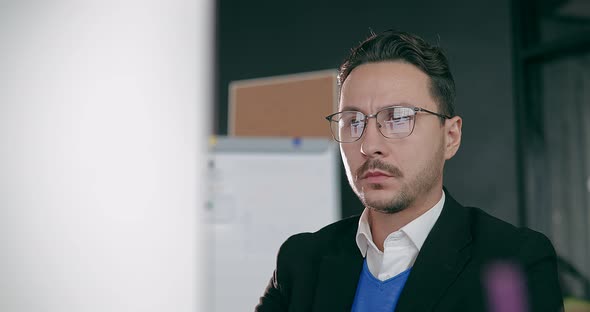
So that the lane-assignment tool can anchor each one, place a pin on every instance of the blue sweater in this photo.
(376, 296)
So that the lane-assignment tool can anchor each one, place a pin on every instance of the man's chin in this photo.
(385, 201)
(387, 208)
(378, 188)
(379, 192)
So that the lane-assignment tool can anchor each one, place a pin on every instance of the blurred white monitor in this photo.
(103, 118)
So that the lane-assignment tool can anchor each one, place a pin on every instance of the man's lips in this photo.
(375, 171)
(375, 174)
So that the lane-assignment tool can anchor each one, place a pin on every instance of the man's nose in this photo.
(372, 142)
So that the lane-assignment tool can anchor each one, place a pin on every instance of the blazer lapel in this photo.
(338, 276)
(442, 257)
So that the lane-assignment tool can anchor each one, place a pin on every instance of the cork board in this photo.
(283, 106)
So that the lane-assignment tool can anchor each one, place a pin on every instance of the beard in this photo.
(395, 204)
(408, 192)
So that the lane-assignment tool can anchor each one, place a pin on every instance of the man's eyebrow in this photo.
(356, 109)
(350, 108)
(405, 104)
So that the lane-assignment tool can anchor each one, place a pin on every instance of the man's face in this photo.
(390, 175)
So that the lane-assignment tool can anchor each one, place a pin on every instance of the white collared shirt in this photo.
(400, 248)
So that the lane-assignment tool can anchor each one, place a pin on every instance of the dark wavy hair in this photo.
(393, 45)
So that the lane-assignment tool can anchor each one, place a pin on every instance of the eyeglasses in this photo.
(394, 122)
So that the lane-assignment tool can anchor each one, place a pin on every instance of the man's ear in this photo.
(452, 136)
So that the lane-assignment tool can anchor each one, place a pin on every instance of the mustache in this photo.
(373, 164)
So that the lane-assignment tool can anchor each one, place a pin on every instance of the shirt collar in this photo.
(364, 238)
(417, 230)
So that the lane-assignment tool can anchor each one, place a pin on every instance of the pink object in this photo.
(505, 288)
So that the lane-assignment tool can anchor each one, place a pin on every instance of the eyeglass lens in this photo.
(394, 122)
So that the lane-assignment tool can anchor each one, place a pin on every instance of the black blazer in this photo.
(319, 271)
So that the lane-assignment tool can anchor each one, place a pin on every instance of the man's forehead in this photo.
(377, 85)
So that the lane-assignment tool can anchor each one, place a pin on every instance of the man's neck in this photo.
(383, 224)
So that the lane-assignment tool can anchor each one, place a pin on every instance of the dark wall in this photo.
(264, 38)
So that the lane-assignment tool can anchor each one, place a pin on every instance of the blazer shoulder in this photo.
(486, 224)
(501, 234)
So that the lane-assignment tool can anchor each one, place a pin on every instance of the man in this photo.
(414, 248)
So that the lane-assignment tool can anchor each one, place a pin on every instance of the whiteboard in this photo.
(261, 191)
